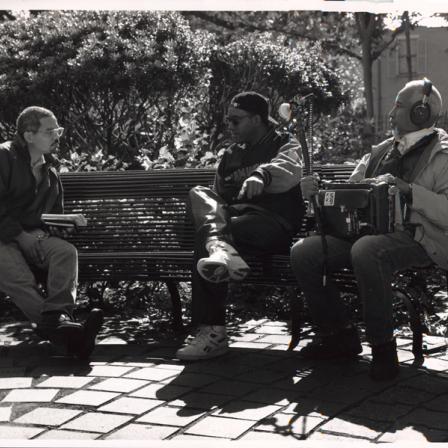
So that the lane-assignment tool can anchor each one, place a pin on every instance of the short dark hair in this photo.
(29, 119)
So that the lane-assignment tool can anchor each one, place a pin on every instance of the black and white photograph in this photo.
(223, 223)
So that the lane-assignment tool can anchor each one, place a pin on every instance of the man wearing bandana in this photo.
(255, 208)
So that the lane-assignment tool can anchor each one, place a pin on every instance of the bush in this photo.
(279, 72)
(116, 80)
(140, 90)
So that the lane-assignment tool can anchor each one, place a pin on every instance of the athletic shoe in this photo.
(223, 264)
(209, 342)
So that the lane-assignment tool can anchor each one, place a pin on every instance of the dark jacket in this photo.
(276, 158)
(22, 202)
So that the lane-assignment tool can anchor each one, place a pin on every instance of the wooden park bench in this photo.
(138, 229)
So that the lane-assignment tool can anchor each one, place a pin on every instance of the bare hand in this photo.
(387, 177)
(403, 186)
(391, 180)
(31, 248)
(309, 186)
(252, 186)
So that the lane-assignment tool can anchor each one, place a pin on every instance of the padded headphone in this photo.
(421, 110)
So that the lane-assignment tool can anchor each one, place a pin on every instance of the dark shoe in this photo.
(343, 344)
(58, 327)
(83, 347)
(384, 364)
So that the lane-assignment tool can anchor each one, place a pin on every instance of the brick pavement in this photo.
(259, 391)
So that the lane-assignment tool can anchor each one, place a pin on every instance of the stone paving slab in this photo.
(88, 398)
(161, 391)
(19, 432)
(15, 383)
(5, 413)
(128, 405)
(258, 392)
(60, 434)
(30, 395)
(169, 415)
(246, 410)
(97, 422)
(151, 373)
(142, 432)
(65, 382)
(48, 416)
(119, 385)
(227, 428)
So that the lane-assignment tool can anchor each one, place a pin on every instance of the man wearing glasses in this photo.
(255, 208)
(30, 186)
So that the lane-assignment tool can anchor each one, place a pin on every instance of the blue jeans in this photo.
(18, 281)
(374, 259)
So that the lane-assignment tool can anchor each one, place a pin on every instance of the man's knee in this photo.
(63, 250)
(367, 248)
(244, 231)
(198, 191)
(305, 253)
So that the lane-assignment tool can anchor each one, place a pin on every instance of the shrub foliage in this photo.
(141, 89)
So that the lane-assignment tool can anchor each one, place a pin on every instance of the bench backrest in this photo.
(136, 211)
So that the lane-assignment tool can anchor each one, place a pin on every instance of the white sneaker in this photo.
(223, 264)
(209, 342)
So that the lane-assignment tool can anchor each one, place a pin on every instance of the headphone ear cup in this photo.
(420, 113)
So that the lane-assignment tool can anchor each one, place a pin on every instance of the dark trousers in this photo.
(250, 231)
(374, 260)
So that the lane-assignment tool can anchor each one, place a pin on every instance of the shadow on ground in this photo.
(280, 392)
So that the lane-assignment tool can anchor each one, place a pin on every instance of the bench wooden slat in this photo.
(141, 216)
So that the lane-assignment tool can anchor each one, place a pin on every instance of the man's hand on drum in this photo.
(388, 178)
(309, 186)
(403, 186)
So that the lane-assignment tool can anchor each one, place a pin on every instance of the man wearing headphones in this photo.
(415, 159)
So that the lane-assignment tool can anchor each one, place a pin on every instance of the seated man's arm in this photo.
(9, 226)
(227, 190)
(433, 204)
(359, 173)
(284, 171)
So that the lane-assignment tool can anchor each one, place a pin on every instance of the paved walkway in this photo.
(257, 392)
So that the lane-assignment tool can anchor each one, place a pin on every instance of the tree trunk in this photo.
(407, 28)
(366, 25)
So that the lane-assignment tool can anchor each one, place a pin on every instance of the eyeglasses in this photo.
(56, 132)
(237, 120)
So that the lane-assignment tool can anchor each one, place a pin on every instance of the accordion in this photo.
(352, 210)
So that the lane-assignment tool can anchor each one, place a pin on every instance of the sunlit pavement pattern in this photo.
(259, 391)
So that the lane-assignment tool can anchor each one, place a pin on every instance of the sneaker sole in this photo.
(212, 271)
(211, 355)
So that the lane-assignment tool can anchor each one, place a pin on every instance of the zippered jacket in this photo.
(22, 202)
(276, 158)
(429, 207)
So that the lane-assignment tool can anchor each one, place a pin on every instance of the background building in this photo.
(429, 50)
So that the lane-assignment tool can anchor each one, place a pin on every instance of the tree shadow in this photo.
(276, 390)
(296, 398)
